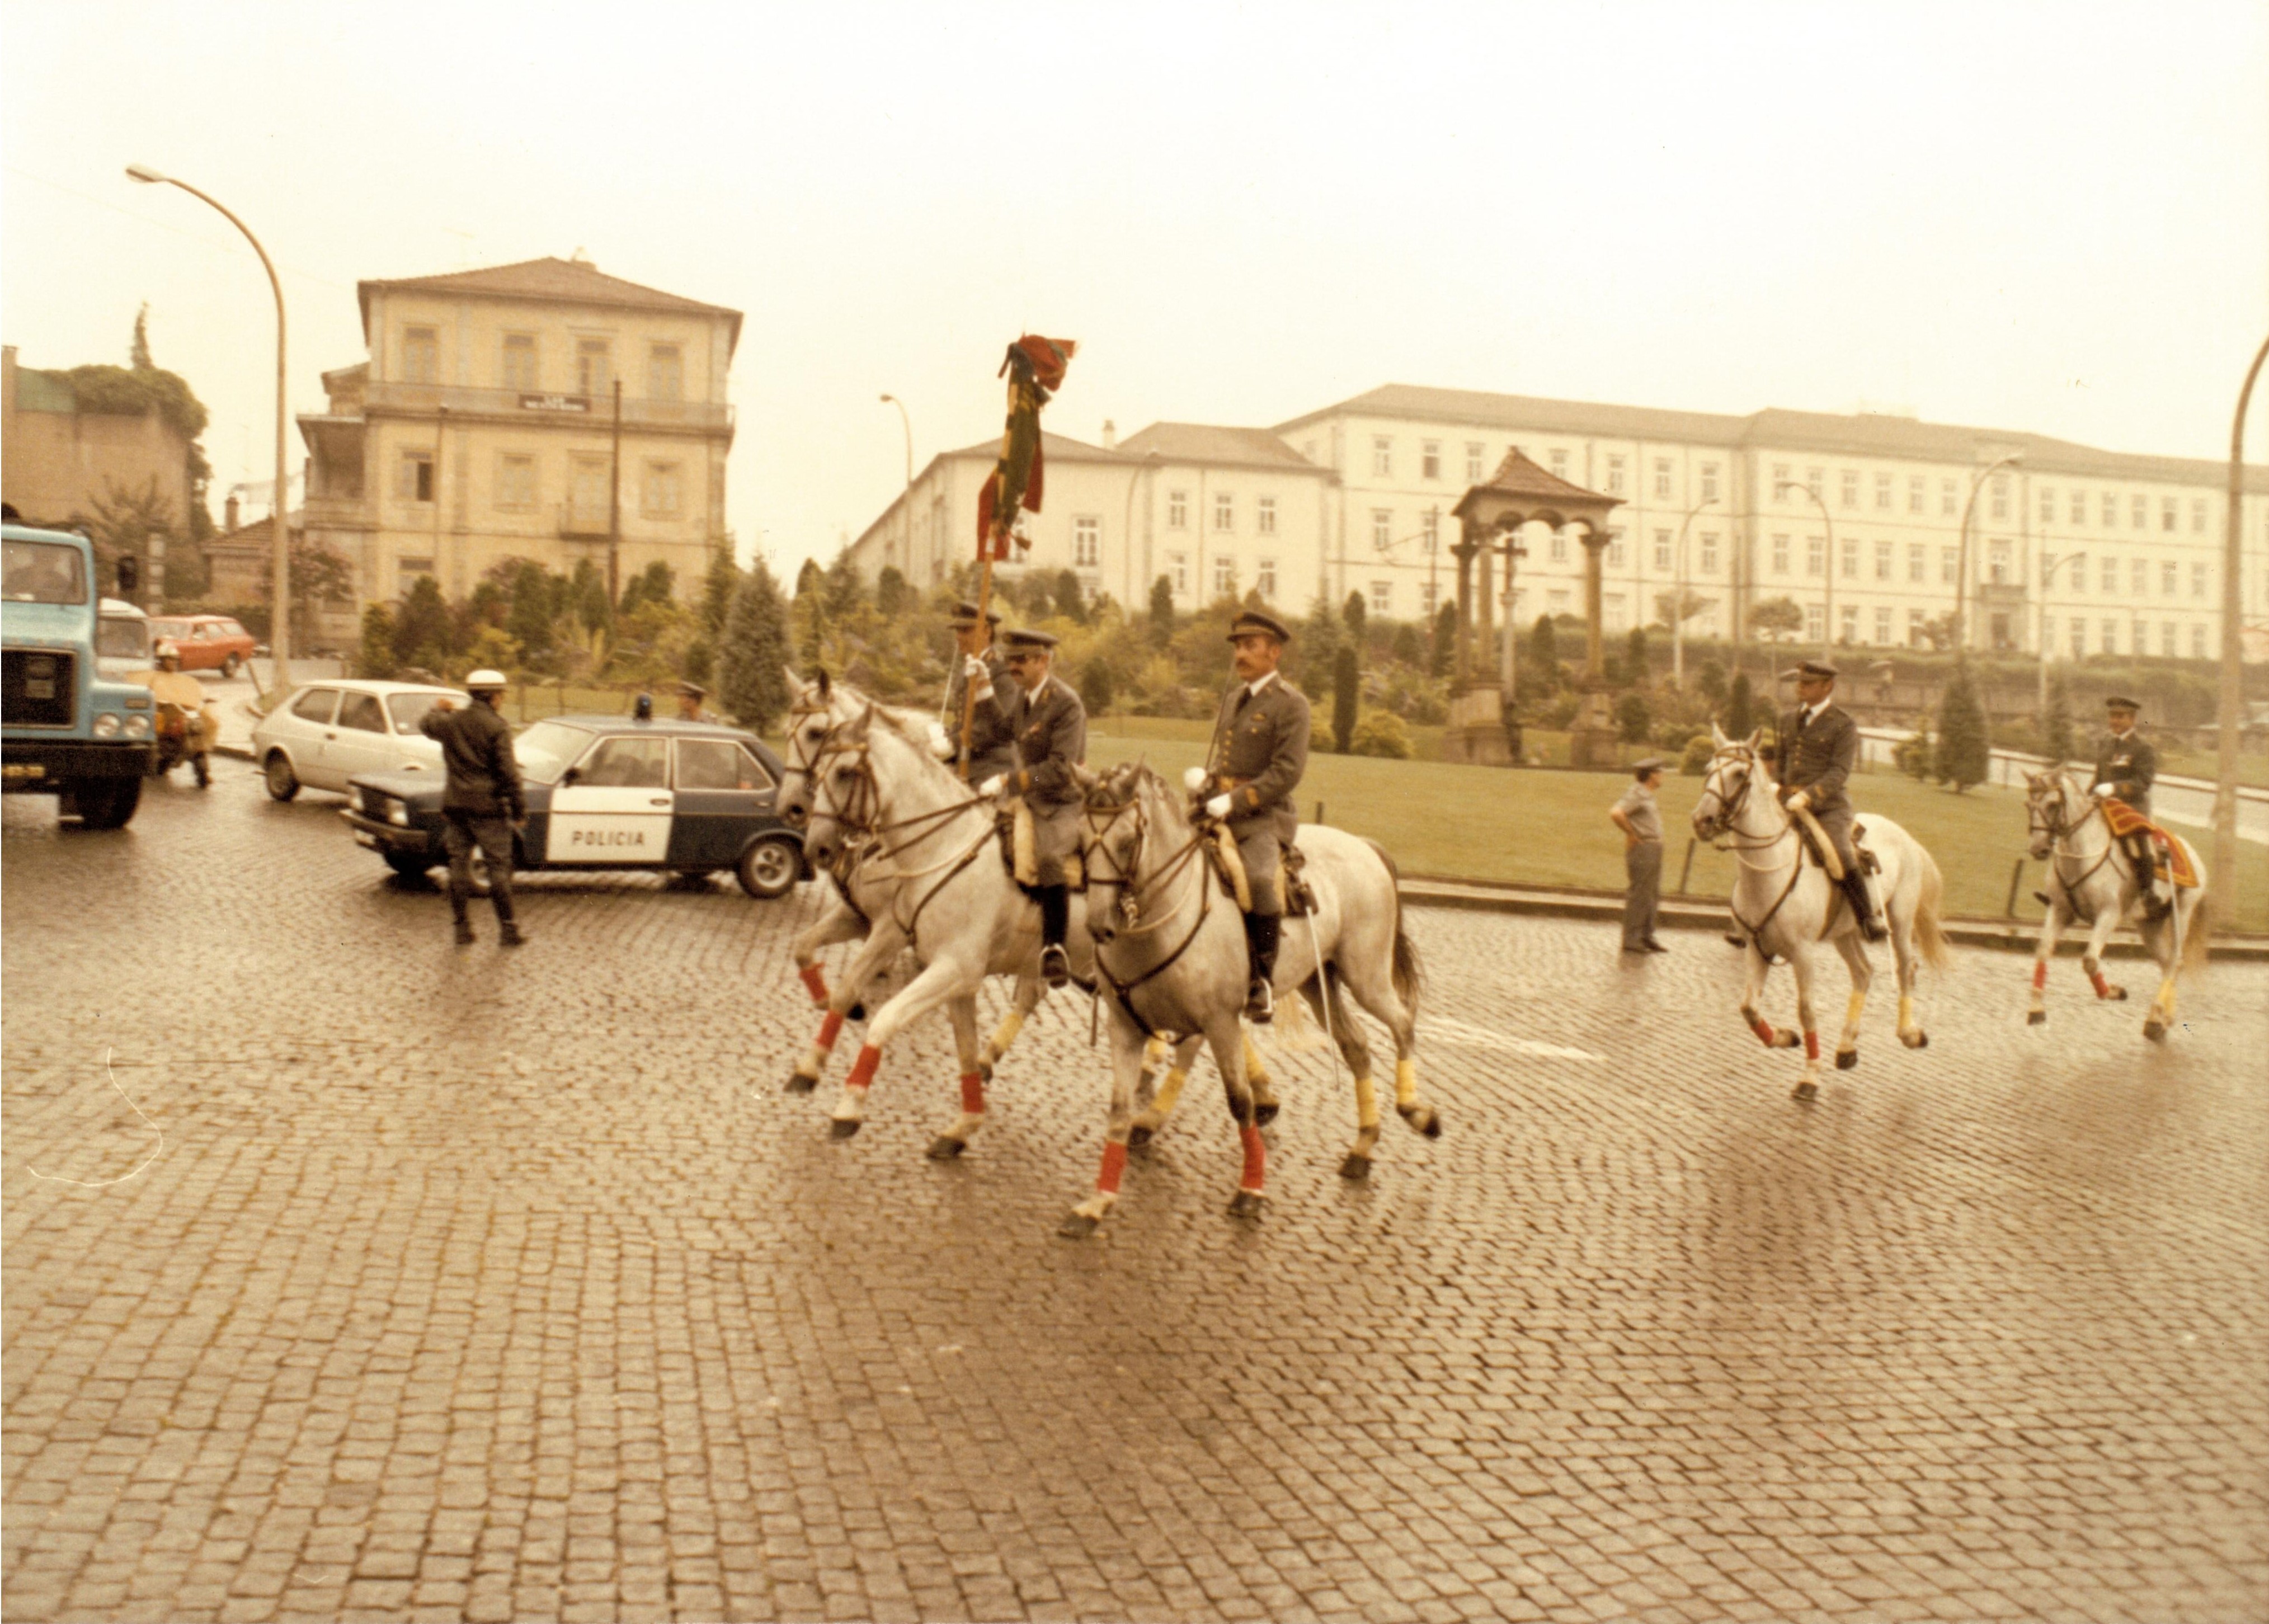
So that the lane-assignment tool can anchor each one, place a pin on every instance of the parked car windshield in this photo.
(41, 573)
(410, 709)
(548, 749)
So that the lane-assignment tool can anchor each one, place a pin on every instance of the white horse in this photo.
(2092, 878)
(1171, 954)
(1785, 905)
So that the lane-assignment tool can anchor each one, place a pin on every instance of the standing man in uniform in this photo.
(1819, 747)
(483, 803)
(1049, 726)
(690, 709)
(978, 665)
(1258, 752)
(2125, 767)
(1641, 822)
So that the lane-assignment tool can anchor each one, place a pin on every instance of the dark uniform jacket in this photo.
(992, 744)
(1259, 752)
(1818, 759)
(2129, 765)
(1050, 728)
(477, 748)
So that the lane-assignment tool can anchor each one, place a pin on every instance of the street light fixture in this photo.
(1828, 607)
(279, 632)
(1678, 596)
(907, 507)
(1962, 570)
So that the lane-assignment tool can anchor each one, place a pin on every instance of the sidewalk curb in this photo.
(1687, 914)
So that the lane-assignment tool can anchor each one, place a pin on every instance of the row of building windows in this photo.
(1224, 513)
(517, 367)
(2072, 502)
(662, 484)
(1225, 581)
(1999, 566)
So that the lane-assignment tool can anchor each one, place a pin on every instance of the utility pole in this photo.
(2233, 605)
(615, 508)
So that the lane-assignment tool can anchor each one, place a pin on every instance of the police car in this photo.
(604, 792)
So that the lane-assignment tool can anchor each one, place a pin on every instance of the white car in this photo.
(327, 731)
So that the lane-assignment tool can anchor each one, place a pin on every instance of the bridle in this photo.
(1730, 839)
(859, 814)
(2052, 819)
(1132, 887)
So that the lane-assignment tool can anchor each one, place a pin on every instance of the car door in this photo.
(722, 794)
(613, 809)
(303, 729)
(358, 740)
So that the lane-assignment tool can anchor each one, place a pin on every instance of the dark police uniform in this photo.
(1049, 727)
(1259, 754)
(1817, 757)
(481, 802)
(2127, 763)
(992, 742)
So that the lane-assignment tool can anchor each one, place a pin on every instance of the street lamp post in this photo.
(1961, 569)
(2233, 605)
(279, 634)
(1827, 605)
(2050, 565)
(907, 507)
(1678, 597)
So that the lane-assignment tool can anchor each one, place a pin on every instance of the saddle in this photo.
(1229, 869)
(2170, 859)
(1814, 849)
(1020, 855)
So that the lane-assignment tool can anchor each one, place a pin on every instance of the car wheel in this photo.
(770, 868)
(108, 806)
(282, 783)
(231, 666)
(408, 865)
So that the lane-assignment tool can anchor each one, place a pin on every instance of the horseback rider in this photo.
(1258, 751)
(1819, 745)
(992, 746)
(2125, 766)
(1048, 724)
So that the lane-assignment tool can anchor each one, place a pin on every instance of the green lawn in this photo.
(2252, 769)
(1550, 828)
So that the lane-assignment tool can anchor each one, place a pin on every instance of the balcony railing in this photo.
(548, 406)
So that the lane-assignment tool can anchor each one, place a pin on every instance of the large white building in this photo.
(1858, 520)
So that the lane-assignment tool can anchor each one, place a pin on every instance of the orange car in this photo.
(207, 642)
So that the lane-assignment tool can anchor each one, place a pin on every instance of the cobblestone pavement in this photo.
(478, 1285)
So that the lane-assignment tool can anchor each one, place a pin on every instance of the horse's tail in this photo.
(2196, 934)
(1410, 974)
(1930, 939)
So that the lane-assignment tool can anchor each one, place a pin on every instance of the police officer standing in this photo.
(690, 695)
(482, 802)
(1049, 726)
(2125, 768)
(1818, 746)
(992, 746)
(1258, 752)
(1640, 819)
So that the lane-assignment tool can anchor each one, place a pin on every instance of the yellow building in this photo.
(541, 410)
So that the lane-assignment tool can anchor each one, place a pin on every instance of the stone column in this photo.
(1591, 742)
(1464, 550)
(1484, 672)
(1595, 543)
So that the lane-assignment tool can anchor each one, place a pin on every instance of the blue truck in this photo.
(65, 729)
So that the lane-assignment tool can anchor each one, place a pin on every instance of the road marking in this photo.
(1444, 1028)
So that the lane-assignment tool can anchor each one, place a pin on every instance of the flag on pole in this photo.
(1035, 370)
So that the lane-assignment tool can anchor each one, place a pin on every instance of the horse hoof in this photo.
(2117, 995)
(2037, 1017)
(944, 1148)
(857, 1012)
(1920, 1040)
(1423, 1120)
(1248, 1204)
(2155, 1031)
(842, 1127)
(1804, 1090)
(1263, 1115)
(1356, 1168)
(1846, 1058)
(1078, 1227)
(1137, 1137)
(985, 1071)
(799, 1083)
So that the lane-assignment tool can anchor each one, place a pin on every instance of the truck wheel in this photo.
(769, 868)
(282, 783)
(408, 865)
(107, 807)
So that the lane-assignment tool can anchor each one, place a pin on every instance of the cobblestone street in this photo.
(479, 1285)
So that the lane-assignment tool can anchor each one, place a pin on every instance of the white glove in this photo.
(992, 785)
(1194, 780)
(2102, 791)
(1799, 801)
(979, 674)
(941, 742)
(1217, 807)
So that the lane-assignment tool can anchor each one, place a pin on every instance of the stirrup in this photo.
(1261, 1002)
(1055, 965)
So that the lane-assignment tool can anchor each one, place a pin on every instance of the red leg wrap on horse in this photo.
(814, 982)
(2040, 975)
(829, 1029)
(1114, 1163)
(1812, 1046)
(1764, 1031)
(2102, 988)
(863, 1069)
(972, 1093)
(1256, 1161)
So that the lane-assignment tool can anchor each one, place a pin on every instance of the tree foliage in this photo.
(1346, 697)
(1633, 717)
(2056, 726)
(1964, 751)
(141, 386)
(1777, 615)
(1740, 706)
(754, 652)
(1162, 612)
(1355, 614)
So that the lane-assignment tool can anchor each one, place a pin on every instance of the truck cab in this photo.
(65, 728)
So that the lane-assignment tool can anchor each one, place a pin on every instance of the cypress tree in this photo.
(1161, 611)
(1356, 615)
(1346, 695)
(1739, 705)
(1446, 641)
(2056, 726)
(752, 660)
(1071, 603)
(1540, 641)
(1964, 750)
(1638, 666)
(718, 587)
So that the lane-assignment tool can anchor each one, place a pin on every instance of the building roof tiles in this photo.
(550, 280)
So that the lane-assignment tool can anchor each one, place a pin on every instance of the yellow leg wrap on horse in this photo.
(1906, 1012)
(1254, 1071)
(1851, 1010)
(1169, 1091)
(1155, 1051)
(1406, 1083)
(1366, 1102)
(1006, 1032)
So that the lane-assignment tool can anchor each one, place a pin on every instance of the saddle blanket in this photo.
(2173, 855)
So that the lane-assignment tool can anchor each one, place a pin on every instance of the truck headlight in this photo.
(137, 727)
(107, 725)
(397, 812)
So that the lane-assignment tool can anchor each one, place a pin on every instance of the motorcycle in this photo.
(183, 732)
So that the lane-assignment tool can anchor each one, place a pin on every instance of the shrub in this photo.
(1096, 691)
(1964, 752)
(1913, 754)
(1695, 759)
(377, 660)
(1345, 697)
(1632, 718)
(1380, 733)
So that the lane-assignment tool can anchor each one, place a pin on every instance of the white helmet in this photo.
(166, 649)
(486, 682)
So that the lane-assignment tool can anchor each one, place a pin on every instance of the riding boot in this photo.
(1261, 932)
(2156, 906)
(1055, 920)
(1863, 904)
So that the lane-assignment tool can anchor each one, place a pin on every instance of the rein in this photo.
(859, 814)
(1728, 810)
(2057, 829)
(1131, 889)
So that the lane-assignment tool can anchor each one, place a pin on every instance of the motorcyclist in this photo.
(169, 684)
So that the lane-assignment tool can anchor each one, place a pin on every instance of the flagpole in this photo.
(968, 687)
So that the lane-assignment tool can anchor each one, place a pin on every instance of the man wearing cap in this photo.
(482, 802)
(1641, 822)
(690, 695)
(1818, 746)
(2125, 767)
(1048, 724)
(978, 665)
(1258, 752)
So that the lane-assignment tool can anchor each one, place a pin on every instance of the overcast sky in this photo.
(2052, 217)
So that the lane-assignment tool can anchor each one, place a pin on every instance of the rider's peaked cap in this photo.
(1026, 638)
(1252, 621)
(1653, 764)
(1818, 667)
(964, 615)
(693, 690)
(2120, 702)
